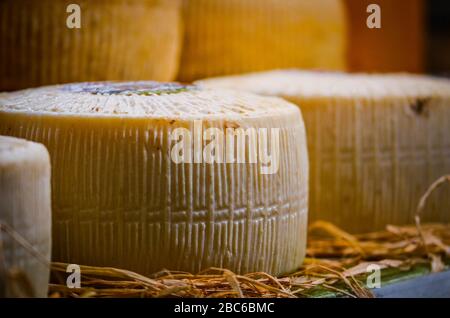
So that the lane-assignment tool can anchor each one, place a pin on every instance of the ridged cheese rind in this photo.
(235, 36)
(119, 200)
(376, 142)
(25, 207)
(117, 40)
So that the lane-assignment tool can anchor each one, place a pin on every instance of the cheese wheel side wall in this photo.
(118, 201)
(118, 39)
(372, 160)
(236, 36)
(25, 206)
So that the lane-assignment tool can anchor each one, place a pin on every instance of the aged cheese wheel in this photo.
(234, 36)
(118, 40)
(25, 216)
(121, 198)
(376, 142)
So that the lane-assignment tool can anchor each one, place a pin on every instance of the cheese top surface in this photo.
(293, 83)
(13, 150)
(142, 99)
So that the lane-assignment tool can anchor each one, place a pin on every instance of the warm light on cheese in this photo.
(376, 142)
(25, 214)
(234, 36)
(116, 40)
(120, 200)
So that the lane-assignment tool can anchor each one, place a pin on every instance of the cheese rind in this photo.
(376, 142)
(120, 200)
(117, 40)
(25, 207)
(236, 36)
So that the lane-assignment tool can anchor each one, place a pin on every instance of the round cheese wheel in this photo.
(376, 142)
(126, 194)
(235, 36)
(116, 40)
(25, 218)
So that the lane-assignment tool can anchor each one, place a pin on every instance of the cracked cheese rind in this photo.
(119, 200)
(117, 40)
(25, 207)
(376, 142)
(235, 36)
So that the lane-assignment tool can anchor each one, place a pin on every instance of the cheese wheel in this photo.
(117, 40)
(376, 142)
(25, 215)
(235, 36)
(122, 198)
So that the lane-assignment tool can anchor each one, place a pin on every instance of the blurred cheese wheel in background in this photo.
(235, 36)
(376, 142)
(118, 39)
(120, 199)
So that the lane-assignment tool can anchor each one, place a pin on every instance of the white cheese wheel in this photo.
(25, 214)
(235, 36)
(376, 142)
(120, 199)
(41, 43)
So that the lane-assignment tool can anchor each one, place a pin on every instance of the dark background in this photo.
(414, 37)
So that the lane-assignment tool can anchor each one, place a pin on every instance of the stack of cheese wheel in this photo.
(234, 36)
(376, 142)
(25, 218)
(117, 40)
(122, 198)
